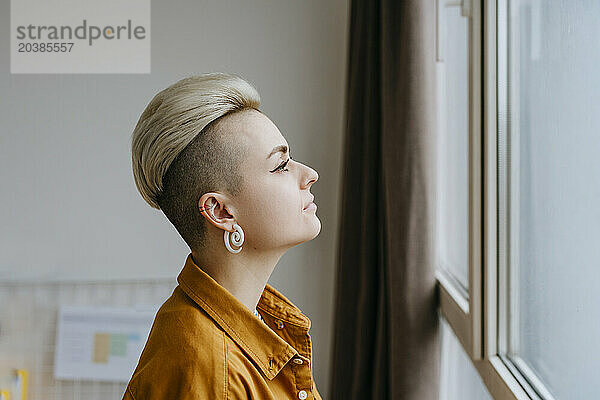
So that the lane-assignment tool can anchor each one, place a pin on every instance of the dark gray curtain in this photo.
(386, 343)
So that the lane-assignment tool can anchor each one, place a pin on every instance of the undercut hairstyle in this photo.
(180, 151)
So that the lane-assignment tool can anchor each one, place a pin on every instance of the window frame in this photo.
(464, 313)
(480, 322)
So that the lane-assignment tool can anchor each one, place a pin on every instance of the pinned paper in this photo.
(100, 343)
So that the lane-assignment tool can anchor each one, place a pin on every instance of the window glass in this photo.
(453, 145)
(554, 125)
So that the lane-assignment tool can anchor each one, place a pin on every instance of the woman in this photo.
(221, 172)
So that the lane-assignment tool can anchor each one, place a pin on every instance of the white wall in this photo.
(459, 380)
(70, 209)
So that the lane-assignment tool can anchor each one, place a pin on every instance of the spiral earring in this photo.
(237, 239)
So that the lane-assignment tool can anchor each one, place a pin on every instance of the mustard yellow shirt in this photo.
(205, 344)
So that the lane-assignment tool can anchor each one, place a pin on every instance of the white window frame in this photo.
(480, 320)
(463, 312)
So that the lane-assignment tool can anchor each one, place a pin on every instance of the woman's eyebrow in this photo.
(280, 148)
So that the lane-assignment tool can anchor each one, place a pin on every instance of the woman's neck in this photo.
(244, 275)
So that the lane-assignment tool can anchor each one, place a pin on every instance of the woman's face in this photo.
(270, 207)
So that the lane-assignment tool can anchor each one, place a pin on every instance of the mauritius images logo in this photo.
(86, 32)
(86, 36)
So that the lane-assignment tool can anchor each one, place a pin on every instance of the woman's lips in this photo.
(310, 206)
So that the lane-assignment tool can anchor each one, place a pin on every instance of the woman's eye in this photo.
(282, 166)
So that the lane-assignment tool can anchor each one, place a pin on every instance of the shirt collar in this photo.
(265, 347)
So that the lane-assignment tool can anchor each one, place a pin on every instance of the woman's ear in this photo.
(212, 206)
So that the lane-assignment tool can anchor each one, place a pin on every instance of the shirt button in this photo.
(298, 360)
(279, 324)
(302, 395)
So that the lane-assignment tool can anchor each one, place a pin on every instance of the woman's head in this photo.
(203, 145)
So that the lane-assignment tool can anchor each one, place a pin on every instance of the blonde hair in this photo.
(178, 129)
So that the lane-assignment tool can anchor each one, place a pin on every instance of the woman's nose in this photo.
(311, 177)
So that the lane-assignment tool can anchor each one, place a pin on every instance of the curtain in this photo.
(386, 339)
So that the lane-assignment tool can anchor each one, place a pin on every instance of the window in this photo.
(550, 198)
(453, 141)
(458, 207)
(526, 307)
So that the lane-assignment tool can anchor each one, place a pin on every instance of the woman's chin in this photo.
(312, 231)
(317, 227)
